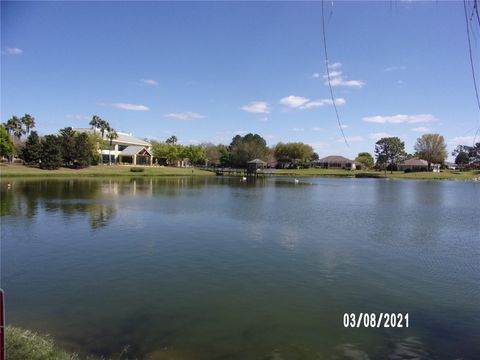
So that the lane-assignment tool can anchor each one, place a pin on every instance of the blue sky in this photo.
(206, 71)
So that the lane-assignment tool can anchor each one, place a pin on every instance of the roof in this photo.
(334, 159)
(132, 150)
(414, 162)
(256, 161)
(123, 137)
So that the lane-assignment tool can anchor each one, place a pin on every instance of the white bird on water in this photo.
(296, 181)
(9, 185)
(244, 178)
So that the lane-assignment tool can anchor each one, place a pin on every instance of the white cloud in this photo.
(318, 145)
(317, 129)
(336, 77)
(351, 139)
(132, 107)
(399, 119)
(395, 68)
(184, 116)
(378, 136)
(298, 129)
(464, 140)
(259, 107)
(323, 102)
(399, 82)
(13, 51)
(339, 81)
(150, 82)
(78, 117)
(420, 129)
(315, 75)
(333, 74)
(299, 102)
(293, 101)
(264, 119)
(343, 126)
(334, 66)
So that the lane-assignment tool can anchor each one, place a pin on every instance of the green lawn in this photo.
(444, 175)
(98, 171)
(115, 170)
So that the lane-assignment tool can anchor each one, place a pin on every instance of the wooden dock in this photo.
(241, 172)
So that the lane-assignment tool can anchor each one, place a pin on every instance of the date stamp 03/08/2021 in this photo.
(375, 320)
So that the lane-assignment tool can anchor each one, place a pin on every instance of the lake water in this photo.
(216, 268)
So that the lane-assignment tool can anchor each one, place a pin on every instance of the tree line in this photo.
(76, 150)
(241, 150)
(67, 148)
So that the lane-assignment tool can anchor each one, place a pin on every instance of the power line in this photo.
(328, 76)
(471, 65)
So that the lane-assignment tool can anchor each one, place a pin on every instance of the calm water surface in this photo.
(213, 268)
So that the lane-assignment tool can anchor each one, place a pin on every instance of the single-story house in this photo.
(125, 149)
(335, 162)
(413, 165)
(450, 165)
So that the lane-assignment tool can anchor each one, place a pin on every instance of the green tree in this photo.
(83, 150)
(112, 135)
(389, 151)
(95, 123)
(6, 144)
(212, 154)
(246, 148)
(104, 127)
(474, 154)
(51, 155)
(29, 122)
(366, 159)
(168, 152)
(31, 152)
(225, 156)
(13, 126)
(296, 153)
(194, 153)
(95, 141)
(172, 140)
(432, 148)
(67, 136)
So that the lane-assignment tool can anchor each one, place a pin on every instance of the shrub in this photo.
(137, 169)
(25, 344)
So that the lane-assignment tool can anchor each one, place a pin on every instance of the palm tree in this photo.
(112, 135)
(29, 122)
(11, 125)
(18, 130)
(95, 122)
(172, 140)
(104, 126)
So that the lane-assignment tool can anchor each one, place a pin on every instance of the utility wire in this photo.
(471, 65)
(328, 76)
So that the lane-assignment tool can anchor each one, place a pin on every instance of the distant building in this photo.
(413, 165)
(450, 165)
(335, 162)
(125, 149)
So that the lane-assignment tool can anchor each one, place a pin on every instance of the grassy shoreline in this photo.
(21, 171)
(99, 171)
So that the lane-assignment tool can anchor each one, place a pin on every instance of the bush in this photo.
(23, 344)
(51, 155)
(137, 169)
